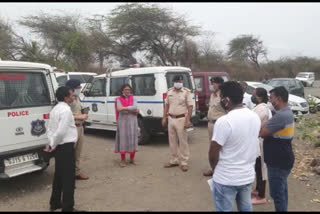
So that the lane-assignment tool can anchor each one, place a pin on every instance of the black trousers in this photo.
(261, 184)
(64, 178)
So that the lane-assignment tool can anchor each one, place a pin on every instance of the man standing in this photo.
(215, 110)
(246, 97)
(62, 135)
(79, 119)
(278, 154)
(233, 151)
(178, 107)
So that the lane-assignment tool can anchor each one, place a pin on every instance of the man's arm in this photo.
(214, 154)
(187, 123)
(264, 132)
(165, 113)
(64, 123)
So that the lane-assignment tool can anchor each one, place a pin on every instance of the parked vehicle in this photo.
(84, 77)
(26, 99)
(149, 84)
(293, 86)
(314, 103)
(307, 78)
(202, 83)
(298, 105)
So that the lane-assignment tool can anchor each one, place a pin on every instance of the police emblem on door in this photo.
(94, 107)
(38, 128)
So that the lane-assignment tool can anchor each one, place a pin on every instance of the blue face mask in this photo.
(211, 88)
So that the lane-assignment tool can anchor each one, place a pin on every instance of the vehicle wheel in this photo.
(318, 108)
(196, 120)
(313, 109)
(144, 135)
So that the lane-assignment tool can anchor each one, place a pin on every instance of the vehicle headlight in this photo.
(293, 103)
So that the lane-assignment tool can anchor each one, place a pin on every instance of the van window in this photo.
(18, 90)
(143, 85)
(62, 80)
(83, 78)
(98, 88)
(198, 81)
(116, 84)
(186, 79)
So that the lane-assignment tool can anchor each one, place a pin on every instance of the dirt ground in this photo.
(147, 186)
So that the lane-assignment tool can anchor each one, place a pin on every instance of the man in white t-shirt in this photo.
(233, 151)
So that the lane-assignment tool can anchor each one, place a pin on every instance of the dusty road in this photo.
(145, 187)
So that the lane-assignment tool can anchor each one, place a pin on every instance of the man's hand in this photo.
(84, 116)
(187, 124)
(48, 150)
(164, 122)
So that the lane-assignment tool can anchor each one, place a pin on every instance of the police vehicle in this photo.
(149, 86)
(26, 99)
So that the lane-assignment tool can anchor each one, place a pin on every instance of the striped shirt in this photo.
(277, 148)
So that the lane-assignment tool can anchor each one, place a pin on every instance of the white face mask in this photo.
(178, 85)
(77, 92)
(211, 88)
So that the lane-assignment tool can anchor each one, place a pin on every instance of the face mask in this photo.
(77, 92)
(211, 88)
(178, 85)
(254, 99)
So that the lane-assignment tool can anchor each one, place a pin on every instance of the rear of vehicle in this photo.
(202, 84)
(307, 78)
(26, 99)
(84, 78)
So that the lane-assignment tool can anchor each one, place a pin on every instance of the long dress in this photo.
(127, 131)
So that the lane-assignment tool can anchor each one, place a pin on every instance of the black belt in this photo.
(177, 116)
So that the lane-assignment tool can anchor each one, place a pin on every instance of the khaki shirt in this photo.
(76, 109)
(215, 110)
(179, 100)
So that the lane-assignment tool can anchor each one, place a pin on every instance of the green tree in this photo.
(247, 48)
(149, 28)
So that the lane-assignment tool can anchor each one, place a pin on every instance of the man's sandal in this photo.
(169, 165)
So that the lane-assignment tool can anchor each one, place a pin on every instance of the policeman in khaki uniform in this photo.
(178, 108)
(215, 110)
(79, 117)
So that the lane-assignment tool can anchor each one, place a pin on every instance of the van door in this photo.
(26, 99)
(200, 88)
(114, 91)
(95, 98)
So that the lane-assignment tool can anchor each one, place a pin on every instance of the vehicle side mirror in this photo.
(86, 93)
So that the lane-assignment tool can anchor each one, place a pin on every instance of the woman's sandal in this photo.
(123, 164)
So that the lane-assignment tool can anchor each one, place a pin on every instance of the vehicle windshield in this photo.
(19, 90)
(83, 78)
(186, 79)
(303, 75)
(277, 83)
(267, 87)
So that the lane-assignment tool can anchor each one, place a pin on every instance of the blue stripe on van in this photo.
(112, 101)
(92, 101)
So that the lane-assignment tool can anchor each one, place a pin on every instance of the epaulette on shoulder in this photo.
(187, 89)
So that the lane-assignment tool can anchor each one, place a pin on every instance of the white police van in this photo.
(149, 85)
(62, 77)
(26, 99)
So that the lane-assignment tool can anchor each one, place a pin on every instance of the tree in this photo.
(147, 27)
(62, 36)
(247, 48)
(6, 41)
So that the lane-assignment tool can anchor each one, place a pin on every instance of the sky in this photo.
(286, 29)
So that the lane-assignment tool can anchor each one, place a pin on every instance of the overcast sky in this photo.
(287, 29)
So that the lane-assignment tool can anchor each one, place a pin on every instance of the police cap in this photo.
(73, 83)
(177, 78)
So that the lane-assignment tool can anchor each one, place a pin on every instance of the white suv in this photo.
(306, 77)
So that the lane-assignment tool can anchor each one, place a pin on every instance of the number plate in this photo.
(21, 159)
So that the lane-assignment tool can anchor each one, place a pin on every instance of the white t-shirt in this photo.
(237, 133)
(247, 101)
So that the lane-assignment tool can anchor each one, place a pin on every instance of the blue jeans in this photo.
(224, 197)
(278, 187)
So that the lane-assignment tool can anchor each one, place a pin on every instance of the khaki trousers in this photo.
(78, 148)
(210, 130)
(178, 141)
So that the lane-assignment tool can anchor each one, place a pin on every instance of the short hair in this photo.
(233, 90)
(63, 92)
(262, 93)
(218, 80)
(281, 92)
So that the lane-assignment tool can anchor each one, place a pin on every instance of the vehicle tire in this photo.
(313, 110)
(144, 135)
(196, 120)
(318, 107)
